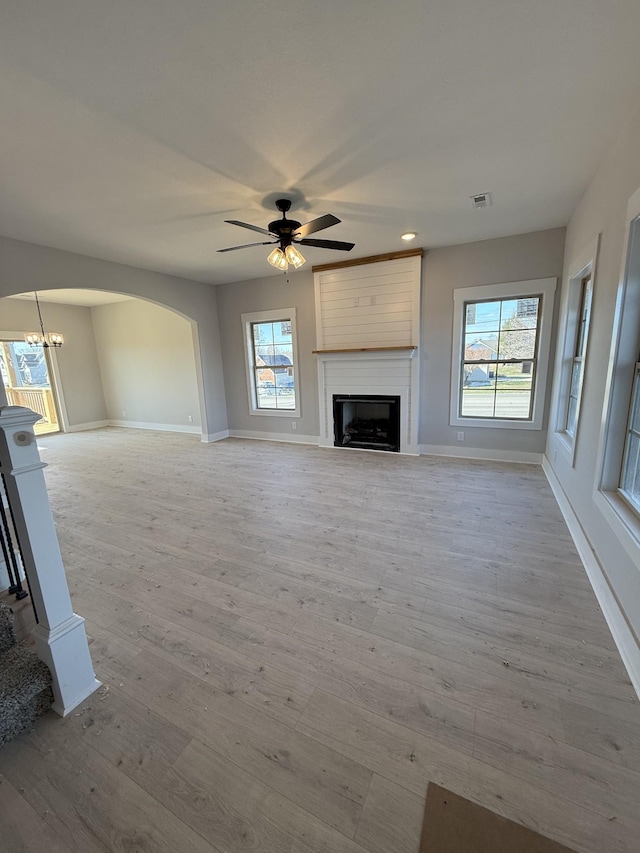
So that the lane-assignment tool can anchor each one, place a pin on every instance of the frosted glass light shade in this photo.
(294, 257)
(277, 259)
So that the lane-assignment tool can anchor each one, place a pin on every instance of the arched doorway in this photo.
(126, 361)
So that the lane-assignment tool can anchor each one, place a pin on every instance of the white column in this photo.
(60, 636)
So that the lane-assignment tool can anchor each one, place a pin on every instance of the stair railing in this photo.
(10, 547)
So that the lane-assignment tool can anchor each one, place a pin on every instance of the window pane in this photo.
(635, 414)
(265, 355)
(514, 404)
(571, 415)
(585, 314)
(263, 333)
(479, 376)
(477, 402)
(482, 317)
(480, 347)
(514, 376)
(513, 385)
(265, 389)
(517, 344)
(576, 372)
(631, 473)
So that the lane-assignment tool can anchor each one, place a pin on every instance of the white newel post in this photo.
(60, 636)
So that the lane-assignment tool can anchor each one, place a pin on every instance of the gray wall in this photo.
(602, 210)
(77, 359)
(147, 364)
(537, 255)
(27, 267)
(265, 294)
(525, 256)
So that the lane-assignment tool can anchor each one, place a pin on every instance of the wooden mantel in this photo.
(370, 259)
(361, 349)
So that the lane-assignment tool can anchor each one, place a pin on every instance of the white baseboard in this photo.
(290, 438)
(90, 425)
(214, 436)
(621, 632)
(189, 428)
(523, 456)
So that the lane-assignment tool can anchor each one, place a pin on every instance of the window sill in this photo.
(278, 413)
(623, 521)
(566, 445)
(494, 423)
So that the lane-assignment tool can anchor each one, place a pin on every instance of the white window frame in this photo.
(625, 346)
(543, 287)
(285, 315)
(584, 266)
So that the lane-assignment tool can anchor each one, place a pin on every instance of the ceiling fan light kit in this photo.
(294, 257)
(278, 260)
(286, 233)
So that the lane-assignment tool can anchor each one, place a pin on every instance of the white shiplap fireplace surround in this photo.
(368, 334)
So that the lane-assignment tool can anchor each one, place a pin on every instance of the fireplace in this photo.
(366, 421)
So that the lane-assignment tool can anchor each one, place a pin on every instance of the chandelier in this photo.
(42, 338)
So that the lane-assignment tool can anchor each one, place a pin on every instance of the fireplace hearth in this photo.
(367, 421)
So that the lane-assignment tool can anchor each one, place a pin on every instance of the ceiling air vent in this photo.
(481, 200)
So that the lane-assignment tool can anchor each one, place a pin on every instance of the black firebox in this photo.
(369, 421)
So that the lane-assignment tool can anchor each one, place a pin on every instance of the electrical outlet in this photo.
(190, 419)
(460, 435)
(294, 425)
(124, 414)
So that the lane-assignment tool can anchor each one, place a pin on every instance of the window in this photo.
(630, 477)
(501, 344)
(499, 358)
(577, 362)
(572, 353)
(617, 489)
(629, 483)
(272, 362)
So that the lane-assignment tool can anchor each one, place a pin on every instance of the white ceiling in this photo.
(130, 131)
(75, 296)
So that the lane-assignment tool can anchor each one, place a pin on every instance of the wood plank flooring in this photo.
(295, 641)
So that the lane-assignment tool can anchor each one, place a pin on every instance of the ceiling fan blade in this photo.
(318, 224)
(248, 246)
(328, 244)
(246, 225)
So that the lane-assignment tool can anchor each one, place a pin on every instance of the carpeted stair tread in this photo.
(7, 634)
(22, 675)
(25, 682)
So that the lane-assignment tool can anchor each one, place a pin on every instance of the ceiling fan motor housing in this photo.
(284, 229)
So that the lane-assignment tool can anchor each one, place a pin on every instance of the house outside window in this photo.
(271, 361)
(502, 335)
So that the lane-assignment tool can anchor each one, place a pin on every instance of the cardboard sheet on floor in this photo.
(455, 825)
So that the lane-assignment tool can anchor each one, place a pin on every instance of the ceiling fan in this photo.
(288, 232)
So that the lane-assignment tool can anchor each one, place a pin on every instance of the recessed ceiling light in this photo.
(409, 235)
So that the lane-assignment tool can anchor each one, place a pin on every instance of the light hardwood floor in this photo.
(294, 641)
